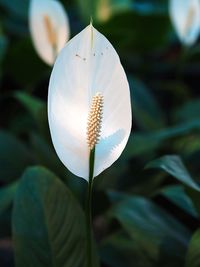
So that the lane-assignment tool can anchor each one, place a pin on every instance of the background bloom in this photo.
(185, 16)
(88, 66)
(49, 28)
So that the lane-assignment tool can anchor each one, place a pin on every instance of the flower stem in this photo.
(88, 208)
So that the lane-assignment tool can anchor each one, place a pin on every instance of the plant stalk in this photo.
(88, 208)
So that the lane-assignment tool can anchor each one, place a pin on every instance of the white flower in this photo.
(89, 103)
(185, 16)
(49, 28)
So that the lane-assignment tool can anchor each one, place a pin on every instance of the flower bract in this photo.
(89, 103)
(49, 28)
(185, 16)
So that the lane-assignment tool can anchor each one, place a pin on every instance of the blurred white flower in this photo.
(185, 16)
(89, 103)
(49, 28)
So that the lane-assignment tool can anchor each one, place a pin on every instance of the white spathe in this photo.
(58, 20)
(87, 65)
(185, 16)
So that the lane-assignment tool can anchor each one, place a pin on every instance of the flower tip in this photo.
(91, 21)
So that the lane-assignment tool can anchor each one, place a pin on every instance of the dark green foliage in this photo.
(155, 237)
(192, 257)
(48, 223)
(14, 157)
(146, 206)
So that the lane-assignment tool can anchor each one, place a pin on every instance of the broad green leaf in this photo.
(174, 166)
(48, 223)
(193, 254)
(177, 195)
(161, 238)
(14, 157)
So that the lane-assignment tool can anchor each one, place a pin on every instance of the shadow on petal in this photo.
(108, 144)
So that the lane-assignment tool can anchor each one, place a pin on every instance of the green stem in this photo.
(88, 208)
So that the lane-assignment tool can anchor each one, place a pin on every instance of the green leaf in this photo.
(195, 197)
(191, 109)
(48, 223)
(37, 109)
(193, 254)
(32, 104)
(46, 155)
(174, 166)
(14, 157)
(145, 106)
(140, 144)
(161, 238)
(143, 143)
(177, 195)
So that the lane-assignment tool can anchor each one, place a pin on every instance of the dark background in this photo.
(146, 206)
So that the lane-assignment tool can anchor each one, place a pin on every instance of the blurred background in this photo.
(146, 207)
